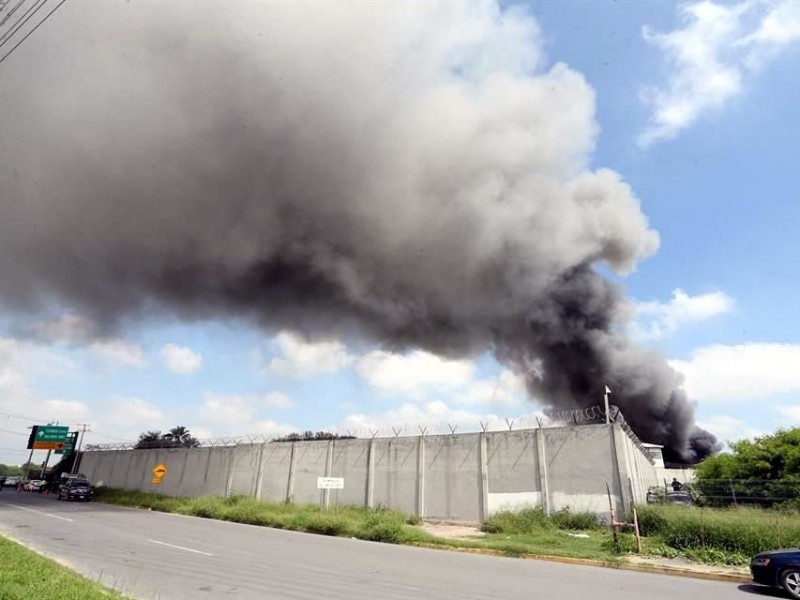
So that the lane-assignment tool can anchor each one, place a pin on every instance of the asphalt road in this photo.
(155, 555)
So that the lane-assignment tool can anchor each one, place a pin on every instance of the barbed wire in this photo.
(548, 419)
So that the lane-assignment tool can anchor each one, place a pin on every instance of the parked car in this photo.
(12, 481)
(75, 489)
(778, 569)
(33, 485)
(680, 498)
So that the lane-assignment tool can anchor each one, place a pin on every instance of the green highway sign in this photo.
(51, 433)
(48, 437)
(69, 444)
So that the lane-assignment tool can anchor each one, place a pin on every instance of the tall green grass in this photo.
(373, 524)
(720, 535)
(532, 520)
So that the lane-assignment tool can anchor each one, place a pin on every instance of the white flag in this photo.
(608, 391)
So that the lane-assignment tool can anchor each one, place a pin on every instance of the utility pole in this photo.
(47, 459)
(28, 464)
(44, 465)
(84, 428)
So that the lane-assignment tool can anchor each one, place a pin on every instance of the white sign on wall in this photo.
(330, 483)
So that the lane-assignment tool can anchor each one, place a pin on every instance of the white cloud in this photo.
(790, 412)
(656, 319)
(22, 361)
(67, 328)
(269, 427)
(133, 410)
(76, 330)
(181, 359)
(413, 374)
(507, 389)
(239, 408)
(64, 410)
(301, 358)
(408, 417)
(729, 429)
(741, 372)
(717, 48)
(201, 433)
(120, 352)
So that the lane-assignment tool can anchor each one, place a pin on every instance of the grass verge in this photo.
(25, 575)
(717, 536)
(373, 524)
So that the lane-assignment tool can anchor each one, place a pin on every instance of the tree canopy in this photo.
(764, 471)
(177, 437)
(10, 470)
(308, 436)
(771, 457)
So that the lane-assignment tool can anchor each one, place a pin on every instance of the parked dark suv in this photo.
(75, 489)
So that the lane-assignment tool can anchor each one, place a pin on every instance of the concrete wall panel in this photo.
(311, 459)
(452, 477)
(245, 470)
(396, 473)
(578, 466)
(275, 471)
(512, 462)
(350, 462)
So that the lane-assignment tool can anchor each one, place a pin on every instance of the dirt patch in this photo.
(452, 532)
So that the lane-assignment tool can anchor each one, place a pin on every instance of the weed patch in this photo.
(25, 575)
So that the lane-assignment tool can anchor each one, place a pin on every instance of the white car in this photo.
(11, 481)
(33, 485)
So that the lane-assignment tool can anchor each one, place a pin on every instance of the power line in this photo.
(39, 24)
(11, 12)
(37, 5)
(14, 432)
(36, 419)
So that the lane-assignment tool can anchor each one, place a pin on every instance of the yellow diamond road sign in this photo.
(160, 471)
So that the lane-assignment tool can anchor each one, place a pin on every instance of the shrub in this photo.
(564, 519)
(328, 524)
(205, 507)
(527, 520)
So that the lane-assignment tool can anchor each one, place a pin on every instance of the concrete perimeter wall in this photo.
(464, 477)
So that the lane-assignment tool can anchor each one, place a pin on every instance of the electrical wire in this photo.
(14, 432)
(11, 12)
(27, 35)
(35, 419)
(37, 5)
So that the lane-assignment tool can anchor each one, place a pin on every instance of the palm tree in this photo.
(180, 436)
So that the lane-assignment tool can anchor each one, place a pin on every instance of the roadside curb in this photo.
(622, 566)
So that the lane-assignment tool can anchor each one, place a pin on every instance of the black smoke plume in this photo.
(409, 173)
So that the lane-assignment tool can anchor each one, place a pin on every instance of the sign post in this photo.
(329, 483)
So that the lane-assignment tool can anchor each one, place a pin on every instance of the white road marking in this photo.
(180, 548)
(39, 512)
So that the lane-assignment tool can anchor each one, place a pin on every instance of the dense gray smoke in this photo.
(409, 173)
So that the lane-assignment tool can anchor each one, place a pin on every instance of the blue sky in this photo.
(696, 106)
